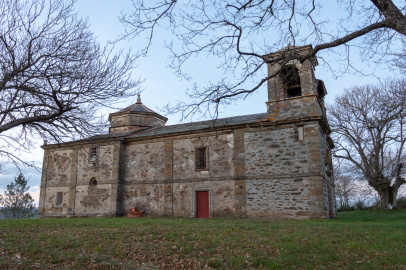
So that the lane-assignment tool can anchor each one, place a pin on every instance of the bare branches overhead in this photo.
(54, 76)
(239, 34)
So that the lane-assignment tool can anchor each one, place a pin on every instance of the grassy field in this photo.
(356, 240)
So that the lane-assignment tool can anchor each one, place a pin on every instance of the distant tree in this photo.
(239, 34)
(54, 76)
(17, 202)
(345, 189)
(368, 125)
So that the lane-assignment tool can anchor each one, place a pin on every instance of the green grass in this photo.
(356, 240)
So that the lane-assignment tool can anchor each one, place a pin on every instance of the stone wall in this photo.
(127, 121)
(101, 170)
(294, 108)
(284, 197)
(221, 198)
(160, 176)
(283, 173)
(144, 162)
(52, 208)
(59, 167)
(93, 200)
(262, 171)
(275, 152)
(220, 155)
(69, 172)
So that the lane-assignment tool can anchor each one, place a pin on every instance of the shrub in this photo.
(401, 202)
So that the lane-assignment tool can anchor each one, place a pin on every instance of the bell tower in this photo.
(294, 92)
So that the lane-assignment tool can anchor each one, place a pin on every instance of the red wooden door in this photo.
(202, 204)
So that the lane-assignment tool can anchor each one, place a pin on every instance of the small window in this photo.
(299, 133)
(93, 154)
(201, 159)
(93, 182)
(291, 81)
(59, 197)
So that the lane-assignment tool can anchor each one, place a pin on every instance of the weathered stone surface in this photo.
(144, 162)
(59, 167)
(284, 198)
(93, 201)
(221, 198)
(276, 152)
(274, 165)
(100, 170)
(52, 209)
(147, 197)
(220, 149)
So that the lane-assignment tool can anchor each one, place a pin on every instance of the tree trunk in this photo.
(394, 196)
(384, 198)
(390, 196)
(399, 181)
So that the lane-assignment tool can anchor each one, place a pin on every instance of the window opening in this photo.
(59, 196)
(291, 81)
(93, 153)
(201, 158)
(300, 131)
(93, 182)
(321, 89)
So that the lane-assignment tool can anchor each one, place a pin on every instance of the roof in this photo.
(137, 107)
(188, 127)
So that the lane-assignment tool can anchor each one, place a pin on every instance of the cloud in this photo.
(9, 172)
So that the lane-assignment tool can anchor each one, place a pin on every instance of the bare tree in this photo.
(54, 76)
(345, 188)
(368, 125)
(240, 34)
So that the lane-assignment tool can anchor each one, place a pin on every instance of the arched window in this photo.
(93, 182)
(291, 81)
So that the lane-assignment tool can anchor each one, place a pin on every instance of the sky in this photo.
(161, 86)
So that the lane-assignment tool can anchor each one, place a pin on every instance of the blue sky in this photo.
(161, 85)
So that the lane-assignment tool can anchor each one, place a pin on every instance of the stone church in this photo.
(275, 164)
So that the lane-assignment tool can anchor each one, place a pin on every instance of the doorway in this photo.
(202, 204)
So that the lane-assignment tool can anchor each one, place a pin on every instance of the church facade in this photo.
(276, 164)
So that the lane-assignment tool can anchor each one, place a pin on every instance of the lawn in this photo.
(356, 240)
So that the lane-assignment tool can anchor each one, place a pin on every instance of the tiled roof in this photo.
(188, 127)
(137, 107)
(194, 126)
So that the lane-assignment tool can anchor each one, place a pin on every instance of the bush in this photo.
(345, 209)
(401, 202)
(360, 205)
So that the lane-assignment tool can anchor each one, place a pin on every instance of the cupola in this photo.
(135, 117)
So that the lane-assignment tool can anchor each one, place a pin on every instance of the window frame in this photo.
(59, 199)
(291, 81)
(202, 153)
(93, 154)
(299, 133)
